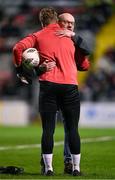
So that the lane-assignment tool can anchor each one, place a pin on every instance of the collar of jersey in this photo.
(53, 25)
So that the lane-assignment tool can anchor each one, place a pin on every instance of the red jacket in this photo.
(53, 48)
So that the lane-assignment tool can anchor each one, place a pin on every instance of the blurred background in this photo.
(95, 22)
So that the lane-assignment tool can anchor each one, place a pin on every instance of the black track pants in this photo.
(53, 97)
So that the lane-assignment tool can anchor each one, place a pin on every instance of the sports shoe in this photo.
(67, 167)
(76, 173)
(49, 173)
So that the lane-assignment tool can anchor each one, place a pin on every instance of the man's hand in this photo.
(65, 33)
(45, 67)
(48, 65)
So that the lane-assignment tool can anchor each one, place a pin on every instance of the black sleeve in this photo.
(29, 74)
(40, 70)
(82, 44)
(21, 71)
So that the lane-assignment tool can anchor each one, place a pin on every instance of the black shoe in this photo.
(11, 170)
(68, 168)
(49, 173)
(76, 173)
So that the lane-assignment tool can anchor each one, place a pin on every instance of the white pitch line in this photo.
(85, 140)
(97, 139)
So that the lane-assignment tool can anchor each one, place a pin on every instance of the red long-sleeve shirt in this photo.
(53, 48)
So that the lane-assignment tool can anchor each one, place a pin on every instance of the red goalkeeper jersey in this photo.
(54, 48)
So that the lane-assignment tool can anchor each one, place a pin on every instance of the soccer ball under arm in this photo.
(30, 58)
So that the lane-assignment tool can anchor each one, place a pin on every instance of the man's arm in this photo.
(22, 72)
(26, 75)
(78, 40)
(22, 45)
(81, 49)
(81, 53)
(82, 44)
(82, 61)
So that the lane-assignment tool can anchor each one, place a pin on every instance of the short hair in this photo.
(47, 15)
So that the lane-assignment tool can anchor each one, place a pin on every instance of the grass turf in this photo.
(97, 160)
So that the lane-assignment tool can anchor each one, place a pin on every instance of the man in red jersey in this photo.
(58, 87)
(67, 22)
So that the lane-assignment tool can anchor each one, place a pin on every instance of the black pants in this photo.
(53, 97)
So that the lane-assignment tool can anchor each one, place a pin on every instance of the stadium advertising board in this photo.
(100, 114)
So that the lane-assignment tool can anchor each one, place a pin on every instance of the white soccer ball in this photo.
(30, 57)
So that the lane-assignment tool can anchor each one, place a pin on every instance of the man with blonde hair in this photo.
(67, 23)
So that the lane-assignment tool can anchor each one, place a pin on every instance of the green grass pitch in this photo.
(97, 152)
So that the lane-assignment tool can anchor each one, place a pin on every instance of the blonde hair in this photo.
(47, 16)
